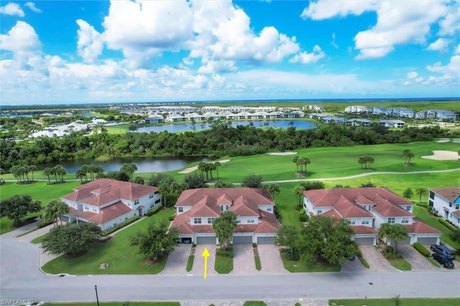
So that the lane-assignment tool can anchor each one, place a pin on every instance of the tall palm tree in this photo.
(33, 168)
(16, 173)
(80, 174)
(295, 160)
(305, 161)
(298, 191)
(362, 161)
(85, 169)
(54, 211)
(273, 189)
(408, 155)
(217, 164)
(421, 192)
(48, 172)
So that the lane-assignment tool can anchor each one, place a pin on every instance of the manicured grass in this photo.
(306, 265)
(400, 264)
(39, 239)
(254, 303)
(337, 161)
(433, 262)
(121, 257)
(117, 304)
(363, 262)
(40, 191)
(224, 261)
(117, 129)
(391, 302)
(258, 263)
(190, 260)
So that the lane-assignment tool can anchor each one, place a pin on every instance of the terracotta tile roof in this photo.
(360, 229)
(244, 201)
(332, 213)
(103, 191)
(450, 194)
(457, 213)
(106, 214)
(347, 201)
(418, 227)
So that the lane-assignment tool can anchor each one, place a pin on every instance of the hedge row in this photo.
(421, 249)
(118, 226)
(447, 224)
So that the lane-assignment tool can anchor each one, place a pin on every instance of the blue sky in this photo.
(160, 50)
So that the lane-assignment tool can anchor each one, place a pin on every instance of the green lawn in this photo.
(117, 253)
(39, 239)
(254, 303)
(224, 261)
(190, 261)
(306, 265)
(40, 191)
(258, 263)
(391, 302)
(117, 129)
(117, 304)
(400, 264)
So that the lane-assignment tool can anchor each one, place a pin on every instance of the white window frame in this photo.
(391, 220)
(196, 220)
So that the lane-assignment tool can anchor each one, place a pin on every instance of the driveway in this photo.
(270, 259)
(375, 259)
(417, 260)
(243, 260)
(177, 260)
(353, 266)
(198, 264)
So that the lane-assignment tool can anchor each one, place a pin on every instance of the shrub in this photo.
(171, 218)
(153, 211)
(118, 226)
(254, 245)
(303, 217)
(421, 249)
(388, 253)
(447, 224)
(455, 235)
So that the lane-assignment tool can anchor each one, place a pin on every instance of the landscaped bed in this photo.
(117, 253)
(305, 264)
(396, 259)
(224, 260)
(391, 302)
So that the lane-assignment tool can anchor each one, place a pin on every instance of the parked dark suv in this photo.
(443, 260)
(443, 250)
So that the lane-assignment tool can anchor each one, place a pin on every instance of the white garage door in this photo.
(265, 240)
(427, 240)
(206, 240)
(242, 239)
(364, 240)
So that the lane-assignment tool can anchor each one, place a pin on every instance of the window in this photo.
(180, 209)
(136, 202)
(391, 220)
(238, 221)
(408, 208)
(319, 211)
(151, 196)
(251, 221)
(211, 220)
(365, 222)
(157, 201)
(457, 206)
(156, 192)
(197, 220)
(405, 220)
(269, 209)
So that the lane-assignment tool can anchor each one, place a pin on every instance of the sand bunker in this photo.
(191, 169)
(282, 153)
(443, 155)
(442, 140)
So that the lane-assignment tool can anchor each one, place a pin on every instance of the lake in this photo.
(199, 126)
(146, 164)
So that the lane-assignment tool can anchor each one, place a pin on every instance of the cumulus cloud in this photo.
(90, 43)
(21, 40)
(398, 22)
(12, 9)
(440, 44)
(32, 7)
(308, 58)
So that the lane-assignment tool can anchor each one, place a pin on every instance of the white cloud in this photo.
(12, 9)
(440, 44)
(333, 41)
(450, 24)
(21, 40)
(32, 7)
(398, 22)
(308, 58)
(90, 43)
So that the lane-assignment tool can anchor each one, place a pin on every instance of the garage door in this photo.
(206, 240)
(364, 240)
(405, 241)
(265, 240)
(427, 240)
(242, 239)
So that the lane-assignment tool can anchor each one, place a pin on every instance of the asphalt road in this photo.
(21, 279)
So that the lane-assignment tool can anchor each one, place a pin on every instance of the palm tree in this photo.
(203, 167)
(298, 191)
(421, 192)
(211, 167)
(305, 161)
(369, 160)
(362, 161)
(33, 168)
(129, 169)
(408, 155)
(16, 173)
(217, 164)
(85, 169)
(59, 171)
(98, 169)
(48, 172)
(54, 211)
(273, 189)
(295, 161)
(393, 233)
(80, 174)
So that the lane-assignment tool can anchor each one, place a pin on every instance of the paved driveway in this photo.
(243, 260)
(198, 265)
(270, 259)
(375, 259)
(417, 260)
(177, 260)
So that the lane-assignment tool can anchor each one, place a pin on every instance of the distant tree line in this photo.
(220, 140)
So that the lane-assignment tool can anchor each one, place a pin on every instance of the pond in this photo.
(146, 164)
(200, 126)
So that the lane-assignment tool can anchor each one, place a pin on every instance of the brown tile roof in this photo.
(418, 227)
(103, 191)
(457, 213)
(106, 214)
(450, 194)
(347, 201)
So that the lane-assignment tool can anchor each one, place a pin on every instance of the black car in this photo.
(443, 250)
(443, 260)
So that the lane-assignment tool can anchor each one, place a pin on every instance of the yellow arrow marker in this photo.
(205, 254)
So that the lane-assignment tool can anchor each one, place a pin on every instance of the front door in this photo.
(140, 211)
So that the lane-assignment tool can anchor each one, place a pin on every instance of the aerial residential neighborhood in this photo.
(230, 153)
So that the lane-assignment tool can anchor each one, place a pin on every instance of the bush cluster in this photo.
(421, 249)
(118, 226)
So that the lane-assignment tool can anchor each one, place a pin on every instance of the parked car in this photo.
(443, 250)
(443, 260)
